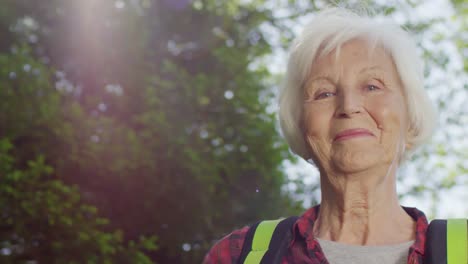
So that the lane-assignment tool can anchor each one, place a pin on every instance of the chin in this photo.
(357, 161)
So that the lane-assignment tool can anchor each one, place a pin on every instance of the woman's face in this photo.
(354, 109)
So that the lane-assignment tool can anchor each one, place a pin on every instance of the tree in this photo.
(177, 134)
(44, 220)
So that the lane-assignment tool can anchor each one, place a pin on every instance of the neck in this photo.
(362, 208)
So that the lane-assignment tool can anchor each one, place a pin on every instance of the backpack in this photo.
(267, 241)
(447, 242)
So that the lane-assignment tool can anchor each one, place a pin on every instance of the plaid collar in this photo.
(304, 226)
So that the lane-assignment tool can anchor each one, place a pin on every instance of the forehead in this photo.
(353, 55)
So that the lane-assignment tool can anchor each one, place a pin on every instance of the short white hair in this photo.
(329, 30)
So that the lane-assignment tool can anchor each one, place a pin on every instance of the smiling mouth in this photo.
(353, 133)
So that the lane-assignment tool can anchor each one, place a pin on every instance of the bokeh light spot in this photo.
(186, 247)
(119, 4)
(228, 94)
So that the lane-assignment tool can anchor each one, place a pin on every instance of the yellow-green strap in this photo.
(457, 241)
(261, 241)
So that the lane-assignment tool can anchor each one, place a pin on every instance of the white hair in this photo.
(328, 31)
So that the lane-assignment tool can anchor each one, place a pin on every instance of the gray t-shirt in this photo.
(339, 253)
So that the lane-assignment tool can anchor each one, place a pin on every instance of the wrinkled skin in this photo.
(357, 90)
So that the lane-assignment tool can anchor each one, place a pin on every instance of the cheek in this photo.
(384, 108)
(316, 121)
(317, 124)
(388, 113)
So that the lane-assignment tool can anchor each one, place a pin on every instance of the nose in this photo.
(349, 103)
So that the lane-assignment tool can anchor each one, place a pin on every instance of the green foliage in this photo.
(167, 129)
(30, 107)
(44, 220)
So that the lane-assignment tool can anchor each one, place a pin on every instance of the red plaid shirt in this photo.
(304, 248)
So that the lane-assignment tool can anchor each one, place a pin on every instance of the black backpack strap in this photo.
(447, 242)
(247, 246)
(278, 243)
(436, 242)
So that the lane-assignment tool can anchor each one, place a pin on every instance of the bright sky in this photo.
(446, 85)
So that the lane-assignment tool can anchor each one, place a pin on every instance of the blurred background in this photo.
(140, 131)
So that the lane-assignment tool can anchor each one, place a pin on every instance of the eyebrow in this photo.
(329, 79)
(318, 78)
(365, 69)
(372, 68)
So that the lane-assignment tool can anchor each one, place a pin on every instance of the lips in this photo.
(352, 133)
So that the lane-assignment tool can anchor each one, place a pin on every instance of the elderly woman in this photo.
(353, 104)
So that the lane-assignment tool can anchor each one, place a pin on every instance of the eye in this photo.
(372, 87)
(324, 95)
